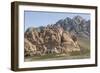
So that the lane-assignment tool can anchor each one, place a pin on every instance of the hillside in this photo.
(64, 38)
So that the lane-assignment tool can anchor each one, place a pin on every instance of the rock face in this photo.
(49, 40)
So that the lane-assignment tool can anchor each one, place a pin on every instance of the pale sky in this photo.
(36, 18)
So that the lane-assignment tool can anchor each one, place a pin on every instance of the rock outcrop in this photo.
(49, 40)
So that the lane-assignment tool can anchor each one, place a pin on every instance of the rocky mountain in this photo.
(76, 25)
(57, 38)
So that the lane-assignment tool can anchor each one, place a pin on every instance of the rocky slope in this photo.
(57, 38)
(49, 40)
(76, 25)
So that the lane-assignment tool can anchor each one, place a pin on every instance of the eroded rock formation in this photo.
(49, 40)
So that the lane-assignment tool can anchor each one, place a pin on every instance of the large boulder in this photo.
(69, 43)
(29, 48)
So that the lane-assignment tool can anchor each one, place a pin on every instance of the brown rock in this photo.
(49, 40)
(29, 48)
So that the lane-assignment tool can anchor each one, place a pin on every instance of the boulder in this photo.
(29, 48)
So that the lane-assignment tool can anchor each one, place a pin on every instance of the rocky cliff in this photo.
(49, 40)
